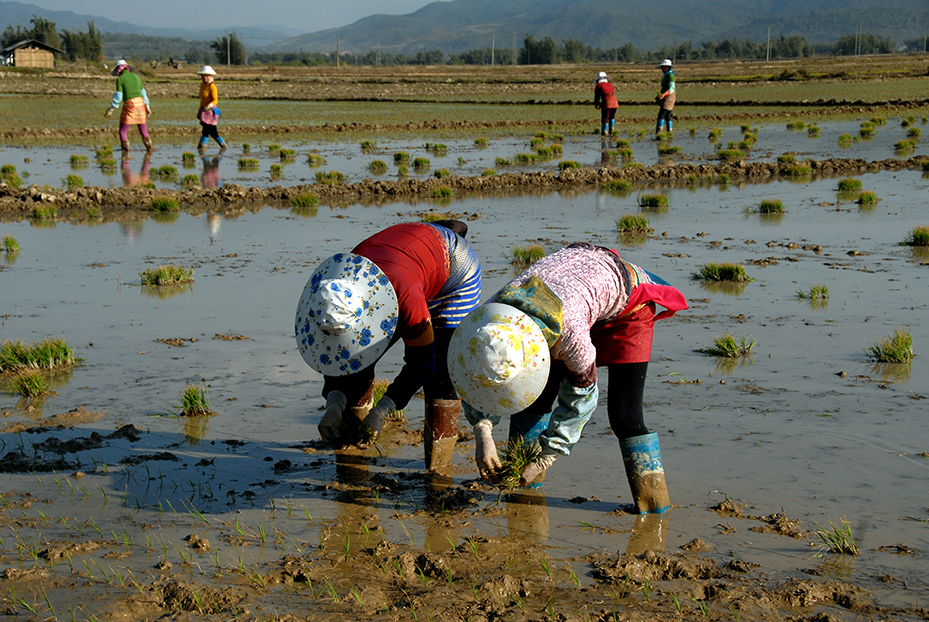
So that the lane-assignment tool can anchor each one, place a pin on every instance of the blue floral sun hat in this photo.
(346, 316)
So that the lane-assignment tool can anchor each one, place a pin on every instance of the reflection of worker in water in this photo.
(580, 308)
(414, 282)
(130, 178)
(210, 176)
(605, 102)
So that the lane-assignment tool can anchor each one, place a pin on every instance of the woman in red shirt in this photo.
(605, 101)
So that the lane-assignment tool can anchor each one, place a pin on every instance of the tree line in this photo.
(87, 45)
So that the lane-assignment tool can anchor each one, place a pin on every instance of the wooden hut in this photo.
(30, 53)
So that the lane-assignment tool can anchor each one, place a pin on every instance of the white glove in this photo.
(485, 452)
(538, 466)
(330, 426)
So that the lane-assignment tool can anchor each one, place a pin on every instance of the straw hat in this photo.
(666, 63)
(346, 316)
(498, 359)
(115, 71)
(206, 70)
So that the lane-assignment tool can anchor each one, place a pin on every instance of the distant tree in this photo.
(864, 43)
(572, 50)
(87, 45)
(543, 52)
(229, 50)
(44, 30)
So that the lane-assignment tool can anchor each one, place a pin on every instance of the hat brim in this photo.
(372, 330)
(518, 392)
(114, 70)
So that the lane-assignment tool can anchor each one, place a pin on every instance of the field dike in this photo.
(17, 203)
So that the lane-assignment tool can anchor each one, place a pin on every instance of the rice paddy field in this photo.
(793, 447)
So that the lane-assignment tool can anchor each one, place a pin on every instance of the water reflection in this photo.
(210, 176)
(648, 534)
(131, 230)
(527, 515)
(897, 373)
(727, 288)
(195, 429)
(163, 292)
(726, 365)
(10, 257)
(136, 179)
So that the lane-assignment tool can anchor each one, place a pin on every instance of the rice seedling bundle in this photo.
(721, 272)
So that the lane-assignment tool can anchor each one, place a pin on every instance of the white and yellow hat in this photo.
(498, 359)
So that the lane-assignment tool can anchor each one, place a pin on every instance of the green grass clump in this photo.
(796, 125)
(314, 160)
(715, 134)
(48, 354)
(10, 244)
(273, 147)
(481, 143)
(167, 171)
(729, 346)
(878, 120)
(107, 164)
(165, 204)
(304, 200)
(524, 256)
(622, 143)
(845, 139)
(7, 169)
(443, 193)
(526, 158)
(914, 132)
(667, 150)
(771, 206)
(837, 539)
(867, 130)
(330, 179)
(515, 457)
(905, 145)
(728, 155)
(401, 156)
(246, 148)
(919, 236)
(434, 216)
(488, 172)
(73, 182)
(78, 160)
(653, 200)
(368, 145)
(421, 163)
(798, 170)
(787, 157)
(441, 173)
(616, 185)
(849, 185)
(288, 155)
(908, 121)
(378, 167)
(867, 198)
(103, 152)
(632, 224)
(724, 179)
(12, 179)
(818, 293)
(721, 272)
(403, 170)
(45, 212)
(503, 162)
(30, 383)
(435, 148)
(276, 169)
(566, 164)
(813, 131)
(248, 163)
(193, 401)
(187, 156)
(190, 180)
(167, 275)
(898, 348)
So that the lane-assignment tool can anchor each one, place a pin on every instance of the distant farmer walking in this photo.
(666, 96)
(131, 94)
(605, 101)
(209, 112)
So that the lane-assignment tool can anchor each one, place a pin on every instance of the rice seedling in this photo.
(401, 156)
(441, 173)
(837, 539)
(536, 142)
(288, 155)
(905, 145)
(193, 401)
(7, 169)
(796, 125)
(421, 163)
(368, 145)
(813, 131)
(189, 180)
(729, 345)
(273, 147)
(625, 153)
(45, 212)
(908, 121)
(664, 136)
(246, 148)
(845, 139)
(526, 255)
(167, 275)
(566, 164)
(78, 160)
(771, 206)
(526, 158)
(715, 134)
(331, 178)
(103, 152)
(378, 167)
(13, 180)
(727, 155)
(816, 293)
(165, 204)
(914, 132)
(503, 162)
(849, 184)
(276, 170)
(187, 156)
(515, 457)
(633, 224)
(745, 145)
(867, 130)
(723, 179)
(315, 160)
(919, 236)
(653, 200)
(616, 185)
(798, 170)
(878, 120)
(786, 157)
(248, 163)
(481, 143)
(48, 354)
(926, 167)
(443, 193)
(403, 170)
(167, 171)
(667, 150)
(898, 348)
(10, 244)
(867, 198)
(488, 172)
(721, 272)
(435, 148)
(306, 199)
(30, 383)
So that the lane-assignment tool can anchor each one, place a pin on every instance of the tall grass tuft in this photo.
(849, 184)
(817, 293)
(193, 401)
(48, 354)
(898, 348)
(30, 383)
(629, 223)
(721, 272)
(524, 256)
(837, 539)
(867, 198)
(653, 200)
(167, 275)
(730, 346)
(919, 236)
(443, 192)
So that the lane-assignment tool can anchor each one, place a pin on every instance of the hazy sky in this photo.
(304, 15)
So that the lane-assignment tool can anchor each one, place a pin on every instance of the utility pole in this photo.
(514, 47)
(493, 42)
(337, 50)
(674, 51)
(228, 46)
(769, 44)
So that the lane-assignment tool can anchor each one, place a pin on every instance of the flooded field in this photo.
(115, 508)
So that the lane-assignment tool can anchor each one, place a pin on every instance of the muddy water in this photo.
(806, 427)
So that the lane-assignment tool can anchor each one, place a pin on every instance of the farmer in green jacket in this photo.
(665, 97)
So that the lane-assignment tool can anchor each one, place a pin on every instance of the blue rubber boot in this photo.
(669, 126)
(642, 459)
(204, 141)
(612, 123)
(222, 143)
(603, 129)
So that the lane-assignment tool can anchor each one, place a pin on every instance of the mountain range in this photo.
(459, 25)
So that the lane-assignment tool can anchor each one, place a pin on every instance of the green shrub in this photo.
(721, 272)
